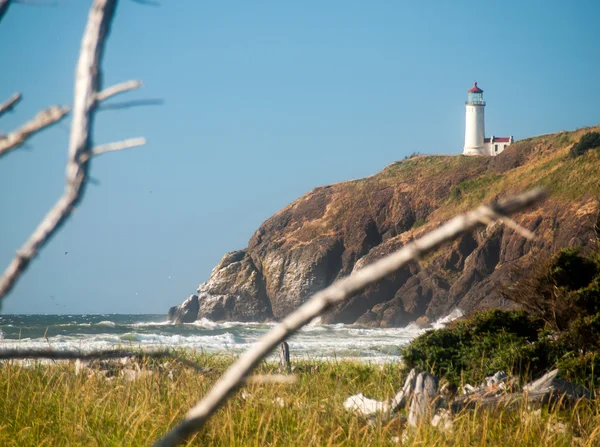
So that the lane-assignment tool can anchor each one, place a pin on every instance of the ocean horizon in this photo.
(90, 332)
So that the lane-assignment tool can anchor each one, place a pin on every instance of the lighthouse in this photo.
(475, 141)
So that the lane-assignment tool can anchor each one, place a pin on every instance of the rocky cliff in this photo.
(334, 230)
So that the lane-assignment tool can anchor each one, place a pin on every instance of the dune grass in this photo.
(52, 405)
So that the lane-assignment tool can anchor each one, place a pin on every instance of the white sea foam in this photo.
(442, 322)
(315, 341)
(151, 323)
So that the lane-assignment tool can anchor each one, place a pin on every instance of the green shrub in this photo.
(561, 329)
(558, 290)
(476, 348)
(588, 141)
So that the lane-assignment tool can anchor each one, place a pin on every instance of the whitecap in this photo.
(442, 322)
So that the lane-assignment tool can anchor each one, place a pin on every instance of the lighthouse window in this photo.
(496, 148)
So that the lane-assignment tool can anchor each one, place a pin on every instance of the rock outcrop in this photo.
(186, 312)
(334, 230)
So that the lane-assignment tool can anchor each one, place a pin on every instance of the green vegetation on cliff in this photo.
(561, 329)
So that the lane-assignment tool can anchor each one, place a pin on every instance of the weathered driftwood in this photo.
(403, 397)
(545, 390)
(10, 103)
(333, 295)
(427, 402)
(38, 354)
(361, 404)
(4, 4)
(285, 366)
(424, 399)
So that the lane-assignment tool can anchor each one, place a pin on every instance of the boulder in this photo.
(186, 312)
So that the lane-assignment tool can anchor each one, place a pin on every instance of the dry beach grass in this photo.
(52, 405)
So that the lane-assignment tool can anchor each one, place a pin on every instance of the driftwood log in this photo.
(285, 366)
(546, 390)
(424, 398)
(404, 395)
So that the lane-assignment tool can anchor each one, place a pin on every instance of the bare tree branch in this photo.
(117, 146)
(87, 81)
(271, 378)
(10, 103)
(42, 120)
(20, 354)
(147, 2)
(118, 88)
(325, 299)
(37, 2)
(50, 116)
(133, 103)
(4, 4)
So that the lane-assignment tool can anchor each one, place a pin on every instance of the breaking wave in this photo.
(93, 332)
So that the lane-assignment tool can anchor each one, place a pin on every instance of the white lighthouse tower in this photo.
(475, 122)
(475, 141)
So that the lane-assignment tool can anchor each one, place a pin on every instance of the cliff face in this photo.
(333, 230)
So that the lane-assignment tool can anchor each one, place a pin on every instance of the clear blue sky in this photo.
(262, 102)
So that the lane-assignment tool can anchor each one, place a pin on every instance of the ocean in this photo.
(108, 331)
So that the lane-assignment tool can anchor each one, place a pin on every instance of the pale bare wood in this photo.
(320, 302)
(116, 146)
(509, 223)
(42, 120)
(271, 378)
(10, 103)
(38, 354)
(54, 114)
(404, 395)
(4, 4)
(87, 79)
(118, 88)
(284, 357)
(423, 402)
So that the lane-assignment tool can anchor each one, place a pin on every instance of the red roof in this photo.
(475, 89)
(497, 140)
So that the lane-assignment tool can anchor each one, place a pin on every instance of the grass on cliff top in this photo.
(51, 405)
(564, 177)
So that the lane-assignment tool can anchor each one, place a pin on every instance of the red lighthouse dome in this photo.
(475, 89)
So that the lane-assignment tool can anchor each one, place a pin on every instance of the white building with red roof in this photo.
(475, 141)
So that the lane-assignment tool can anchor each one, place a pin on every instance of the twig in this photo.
(87, 81)
(147, 2)
(51, 116)
(271, 378)
(10, 103)
(42, 120)
(117, 146)
(116, 89)
(4, 4)
(129, 104)
(20, 354)
(325, 299)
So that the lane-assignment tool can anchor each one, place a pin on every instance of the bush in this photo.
(558, 290)
(588, 141)
(561, 328)
(476, 348)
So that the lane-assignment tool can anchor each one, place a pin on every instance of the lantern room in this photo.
(475, 96)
